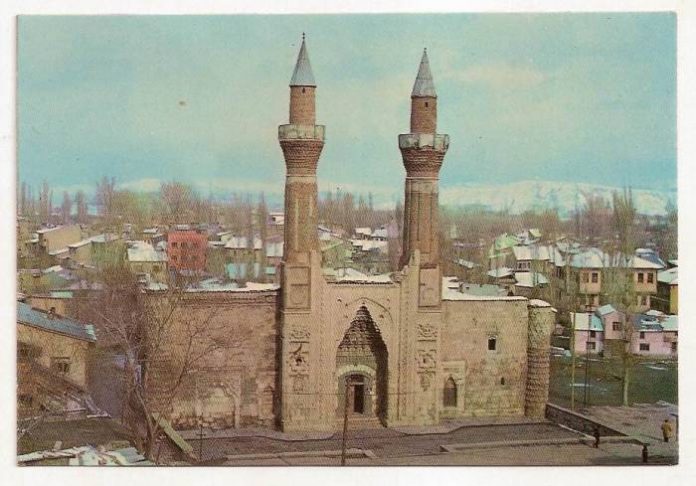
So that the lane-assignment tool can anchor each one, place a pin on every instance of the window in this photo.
(502, 381)
(641, 277)
(591, 346)
(585, 277)
(651, 277)
(492, 343)
(303, 90)
(593, 333)
(674, 347)
(643, 300)
(616, 326)
(426, 104)
(449, 396)
(60, 365)
(174, 244)
(644, 346)
(595, 277)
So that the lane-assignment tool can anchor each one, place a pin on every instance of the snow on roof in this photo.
(380, 233)
(530, 279)
(605, 309)
(669, 276)
(242, 243)
(465, 263)
(363, 231)
(639, 262)
(102, 238)
(500, 272)
(531, 252)
(586, 321)
(539, 303)
(589, 258)
(367, 245)
(142, 251)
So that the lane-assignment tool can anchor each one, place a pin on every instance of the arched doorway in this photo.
(361, 369)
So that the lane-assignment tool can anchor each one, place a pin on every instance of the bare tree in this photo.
(66, 207)
(105, 198)
(81, 203)
(161, 349)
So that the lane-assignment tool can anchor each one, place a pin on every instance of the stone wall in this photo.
(490, 382)
(232, 377)
(578, 421)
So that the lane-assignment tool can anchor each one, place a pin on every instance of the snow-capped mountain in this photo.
(540, 195)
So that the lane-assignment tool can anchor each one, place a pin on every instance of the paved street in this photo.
(480, 446)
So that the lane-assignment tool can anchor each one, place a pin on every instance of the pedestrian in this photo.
(596, 437)
(666, 430)
(645, 453)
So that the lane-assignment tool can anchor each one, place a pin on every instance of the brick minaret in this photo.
(301, 141)
(423, 151)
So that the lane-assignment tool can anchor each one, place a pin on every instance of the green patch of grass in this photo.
(650, 381)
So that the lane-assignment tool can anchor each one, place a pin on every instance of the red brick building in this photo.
(187, 250)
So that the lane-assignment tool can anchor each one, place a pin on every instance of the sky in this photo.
(553, 97)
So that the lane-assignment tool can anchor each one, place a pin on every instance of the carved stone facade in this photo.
(396, 352)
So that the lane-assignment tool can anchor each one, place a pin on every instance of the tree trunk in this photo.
(626, 383)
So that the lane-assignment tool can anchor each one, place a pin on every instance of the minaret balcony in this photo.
(424, 140)
(301, 132)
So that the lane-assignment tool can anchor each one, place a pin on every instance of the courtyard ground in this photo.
(514, 443)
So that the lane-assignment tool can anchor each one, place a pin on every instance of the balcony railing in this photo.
(301, 132)
(419, 140)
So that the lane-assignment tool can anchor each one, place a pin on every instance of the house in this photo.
(644, 279)
(667, 297)
(528, 283)
(146, 262)
(586, 267)
(90, 250)
(54, 241)
(186, 250)
(53, 353)
(613, 322)
(654, 334)
(589, 332)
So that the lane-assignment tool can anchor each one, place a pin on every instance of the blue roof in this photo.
(34, 317)
(605, 309)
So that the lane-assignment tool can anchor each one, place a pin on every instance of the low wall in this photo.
(577, 421)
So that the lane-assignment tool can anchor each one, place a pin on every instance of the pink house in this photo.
(654, 334)
(589, 332)
(612, 320)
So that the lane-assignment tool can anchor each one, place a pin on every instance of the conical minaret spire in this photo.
(303, 75)
(424, 86)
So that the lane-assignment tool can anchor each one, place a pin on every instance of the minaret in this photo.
(422, 151)
(302, 142)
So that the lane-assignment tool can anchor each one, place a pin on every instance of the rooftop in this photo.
(62, 325)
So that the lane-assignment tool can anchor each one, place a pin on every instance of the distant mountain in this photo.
(539, 195)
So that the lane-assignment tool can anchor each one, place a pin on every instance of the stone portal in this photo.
(361, 370)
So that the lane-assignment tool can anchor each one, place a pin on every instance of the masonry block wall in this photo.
(231, 380)
(494, 381)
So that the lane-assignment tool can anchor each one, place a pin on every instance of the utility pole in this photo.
(572, 364)
(345, 422)
(587, 371)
